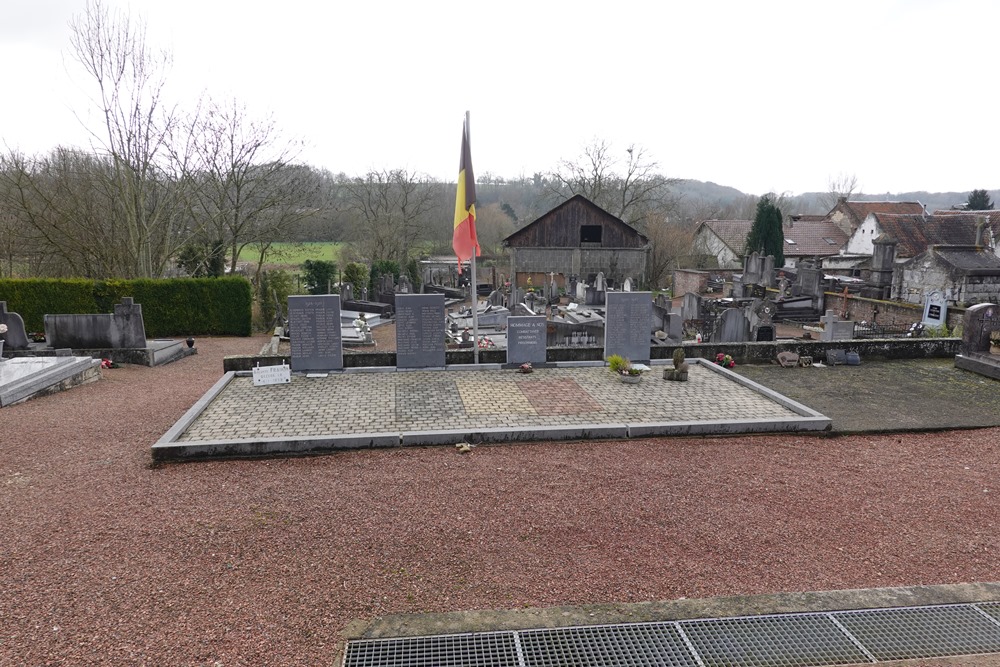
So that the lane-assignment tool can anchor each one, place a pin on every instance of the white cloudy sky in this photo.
(761, 95)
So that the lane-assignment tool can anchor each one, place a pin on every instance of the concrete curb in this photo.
(488, 620)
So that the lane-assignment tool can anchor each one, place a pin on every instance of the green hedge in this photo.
(170, 306)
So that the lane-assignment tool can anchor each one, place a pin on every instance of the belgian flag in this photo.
(464, 239)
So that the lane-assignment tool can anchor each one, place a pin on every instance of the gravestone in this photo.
(315, 336)
(734, 326)
(628, 325)
(978, 323)
(599, 282)
(675, 327)
(364, 293)
(627, 286)
(691, 306)
(836, 357)
(16, 338)
(122, 329)
(835, 328)
(935, 310)
(526, 337)
(581, 292)
(406, 287)
(808, 280)
(347, 292)
(420, 331)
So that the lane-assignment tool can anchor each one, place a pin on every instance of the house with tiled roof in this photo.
(913, 234)
(809, 236)
(724, 239)
(849, 215)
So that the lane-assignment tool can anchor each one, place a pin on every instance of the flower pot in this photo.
(630, 379)
(190, 342)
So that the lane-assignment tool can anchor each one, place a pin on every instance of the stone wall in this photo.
(889, 312)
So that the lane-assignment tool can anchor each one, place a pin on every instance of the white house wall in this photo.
(861, 241)
(707, 243)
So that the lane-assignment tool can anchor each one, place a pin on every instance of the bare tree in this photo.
(842, 185)
(136, 128)
(628, 188)
(669, 241)
(391, 210)
(245, 189)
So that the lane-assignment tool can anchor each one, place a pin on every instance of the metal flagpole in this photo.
(475, 285)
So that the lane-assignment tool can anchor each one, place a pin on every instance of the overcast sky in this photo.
(762, 96)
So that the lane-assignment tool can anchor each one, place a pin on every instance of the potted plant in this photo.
(525, 367)
(622, 368)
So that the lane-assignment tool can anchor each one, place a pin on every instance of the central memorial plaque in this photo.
(628, 325)
(420, 331)
(315, 332)
(526, 339)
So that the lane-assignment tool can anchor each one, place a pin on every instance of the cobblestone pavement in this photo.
(363, 403)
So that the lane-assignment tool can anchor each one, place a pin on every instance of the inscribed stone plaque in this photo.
(935, 310)
(526, 339)
(315, 332)
(265, 375)
(420, 324)
(628, 325)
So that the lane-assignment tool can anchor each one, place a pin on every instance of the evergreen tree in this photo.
(979, 200)
(767, 235)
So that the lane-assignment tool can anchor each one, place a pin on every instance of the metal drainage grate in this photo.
(488, 649)
(783, 640)
(923, 632)
(633, 645)
(794, 639)
(991, 608)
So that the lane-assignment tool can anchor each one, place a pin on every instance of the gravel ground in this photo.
(106, 560)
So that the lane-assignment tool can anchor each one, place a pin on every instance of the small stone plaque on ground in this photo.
(526, 337)
(314, 323)
(420, 322)
(265, 375)
(628, 325)
(836, 357)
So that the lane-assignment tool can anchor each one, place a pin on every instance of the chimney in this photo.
(980, 225)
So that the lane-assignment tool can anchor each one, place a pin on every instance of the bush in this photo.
(170, 306)
(318, 275)
(273, 284)
(357, 275)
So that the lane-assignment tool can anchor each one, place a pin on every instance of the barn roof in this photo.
(558, 211)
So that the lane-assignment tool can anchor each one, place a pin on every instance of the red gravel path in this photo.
(104, 560)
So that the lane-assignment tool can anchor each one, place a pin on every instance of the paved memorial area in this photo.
(364, 409)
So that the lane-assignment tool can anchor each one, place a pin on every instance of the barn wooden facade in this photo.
(578, 238)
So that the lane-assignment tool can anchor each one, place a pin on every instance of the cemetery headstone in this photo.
(836, 329)
(836, 357)
(315, 338)
(788, 359)
(627, 286)
(978, 323)
(935, 310)
(15, 338)
(628, 325)
(526, 338)
(691, 306)
(581, 292)
(599, 283)
(675, 327)
(347, 292)
(420, 331)
(734, 327)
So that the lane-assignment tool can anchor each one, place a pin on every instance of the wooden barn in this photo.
(577, 238)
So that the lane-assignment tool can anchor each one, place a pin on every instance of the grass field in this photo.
(294, 254)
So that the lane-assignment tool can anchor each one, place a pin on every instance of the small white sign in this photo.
(264, 375)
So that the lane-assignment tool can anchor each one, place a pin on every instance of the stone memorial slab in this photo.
(734, 327)
(316, 341)
(935, 310)
(420, 335)
(628, 325)
(835, 328)
(526, 338)
(266, 375)
(836, 357)
(978, 323)
(691, 306)
(15, 338)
